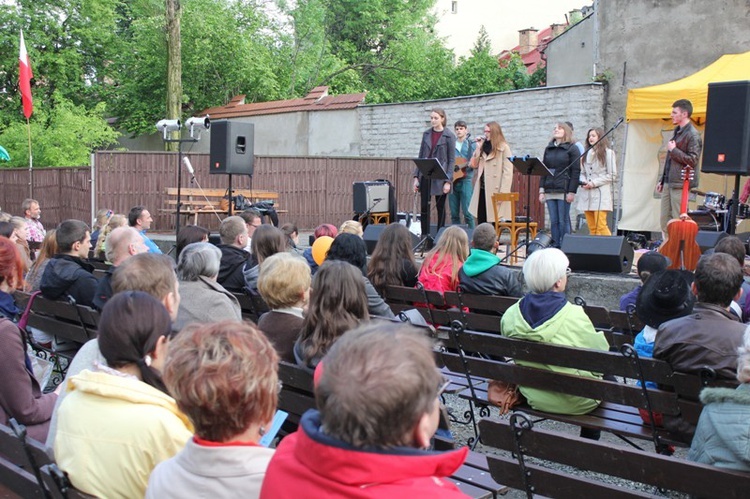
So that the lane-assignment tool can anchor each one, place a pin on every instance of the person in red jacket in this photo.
(377, 390)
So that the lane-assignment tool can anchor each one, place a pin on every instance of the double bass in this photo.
(680, 246)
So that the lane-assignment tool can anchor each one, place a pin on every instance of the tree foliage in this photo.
(65, 136)
(88, 52)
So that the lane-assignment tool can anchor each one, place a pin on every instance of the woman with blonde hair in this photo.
(597, 175)
(494, 174)
(558, 190)
(351, 227)
(115, 221)
(441, 265)
(100, 222)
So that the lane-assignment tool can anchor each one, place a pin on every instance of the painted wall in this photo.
(570, 56)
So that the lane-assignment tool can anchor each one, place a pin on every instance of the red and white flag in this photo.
(24, 79)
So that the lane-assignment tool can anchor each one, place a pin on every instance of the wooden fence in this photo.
(313, 189)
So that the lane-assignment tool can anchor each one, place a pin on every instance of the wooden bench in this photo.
(207, 201)
(71, 324)
(297, 397)
(19, 464)
(477, 353)
(523, 439)
(252, 307)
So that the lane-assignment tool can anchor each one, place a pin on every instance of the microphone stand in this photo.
(619, 122)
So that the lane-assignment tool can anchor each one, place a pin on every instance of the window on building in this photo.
(454, 7)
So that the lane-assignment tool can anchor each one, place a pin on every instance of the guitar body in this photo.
(459, 171)
(680, 246)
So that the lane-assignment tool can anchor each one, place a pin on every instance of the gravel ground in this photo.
(462, 433)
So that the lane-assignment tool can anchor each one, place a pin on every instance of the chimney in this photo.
(527, 40)
(557, 29)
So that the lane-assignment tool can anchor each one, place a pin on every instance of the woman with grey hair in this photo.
(723, 438)
(203, 300)
(545, 315)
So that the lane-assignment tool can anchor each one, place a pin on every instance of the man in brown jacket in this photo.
(711, 335)
(684, 149)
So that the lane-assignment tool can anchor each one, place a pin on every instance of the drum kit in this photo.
(713, 215)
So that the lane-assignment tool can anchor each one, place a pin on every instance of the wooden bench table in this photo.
(207, 201)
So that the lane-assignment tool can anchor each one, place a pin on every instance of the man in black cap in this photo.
(665, 296)
(648, 264)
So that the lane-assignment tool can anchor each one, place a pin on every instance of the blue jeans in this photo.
(459, 199)
(559, 219)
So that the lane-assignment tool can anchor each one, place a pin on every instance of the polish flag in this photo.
(24, 79)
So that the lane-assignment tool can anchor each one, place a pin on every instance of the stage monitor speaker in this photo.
(598, 253)
(373, 232)
(232, 147)
(707, 239)
(371, 197)
(726, 144)
(469, 232)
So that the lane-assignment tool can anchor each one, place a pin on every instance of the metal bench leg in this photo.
(520, 423)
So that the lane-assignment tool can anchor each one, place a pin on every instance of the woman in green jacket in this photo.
(545, 315)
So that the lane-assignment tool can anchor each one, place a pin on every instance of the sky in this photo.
(501, 18)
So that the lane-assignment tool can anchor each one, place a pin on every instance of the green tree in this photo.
(63, 136)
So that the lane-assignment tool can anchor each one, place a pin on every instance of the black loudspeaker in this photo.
(726, 144)
(469, 232)
(598, 253)
(371, 197)
(707, 239)
(372, 234)
(232, 147)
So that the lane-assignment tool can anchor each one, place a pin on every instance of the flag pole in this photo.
(31, 162)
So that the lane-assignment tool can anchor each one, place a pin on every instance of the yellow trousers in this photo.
(597, 222)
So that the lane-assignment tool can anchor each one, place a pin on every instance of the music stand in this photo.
(431, 169)
(528, 166)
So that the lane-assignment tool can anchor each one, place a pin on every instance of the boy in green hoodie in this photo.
(482, 273)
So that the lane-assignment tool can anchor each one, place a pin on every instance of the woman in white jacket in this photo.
(598, 171)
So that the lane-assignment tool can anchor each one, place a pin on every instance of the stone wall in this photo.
(527, 118)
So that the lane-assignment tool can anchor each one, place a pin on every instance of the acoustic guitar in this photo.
(459, 171)
(680, 246)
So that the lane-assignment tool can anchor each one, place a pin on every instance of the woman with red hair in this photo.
(20, 394)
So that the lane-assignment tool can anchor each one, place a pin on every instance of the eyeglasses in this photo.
(568, 272)
(279, 387)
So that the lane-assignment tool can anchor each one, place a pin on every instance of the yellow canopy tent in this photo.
(649, 129)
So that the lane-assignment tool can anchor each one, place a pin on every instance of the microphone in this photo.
(479, 138)
(188, 165)
(619, 122)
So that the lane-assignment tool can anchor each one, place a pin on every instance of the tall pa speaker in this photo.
(726, 145)
(372, 234)
(232, 147)
(598, 253)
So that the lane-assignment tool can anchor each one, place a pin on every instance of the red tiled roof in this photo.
(531, 59)
(317, 100)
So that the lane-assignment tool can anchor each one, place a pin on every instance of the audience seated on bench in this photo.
(223, 376)
(378, 392)
(545, 315)
(20, 394)
(117, 421)
(284, 283)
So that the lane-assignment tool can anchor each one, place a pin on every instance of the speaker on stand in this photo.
(726, 145)
(232, 151)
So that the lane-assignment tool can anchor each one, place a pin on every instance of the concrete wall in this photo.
(570, 56)
(527, 118)
(648, 42)
(329, 133)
